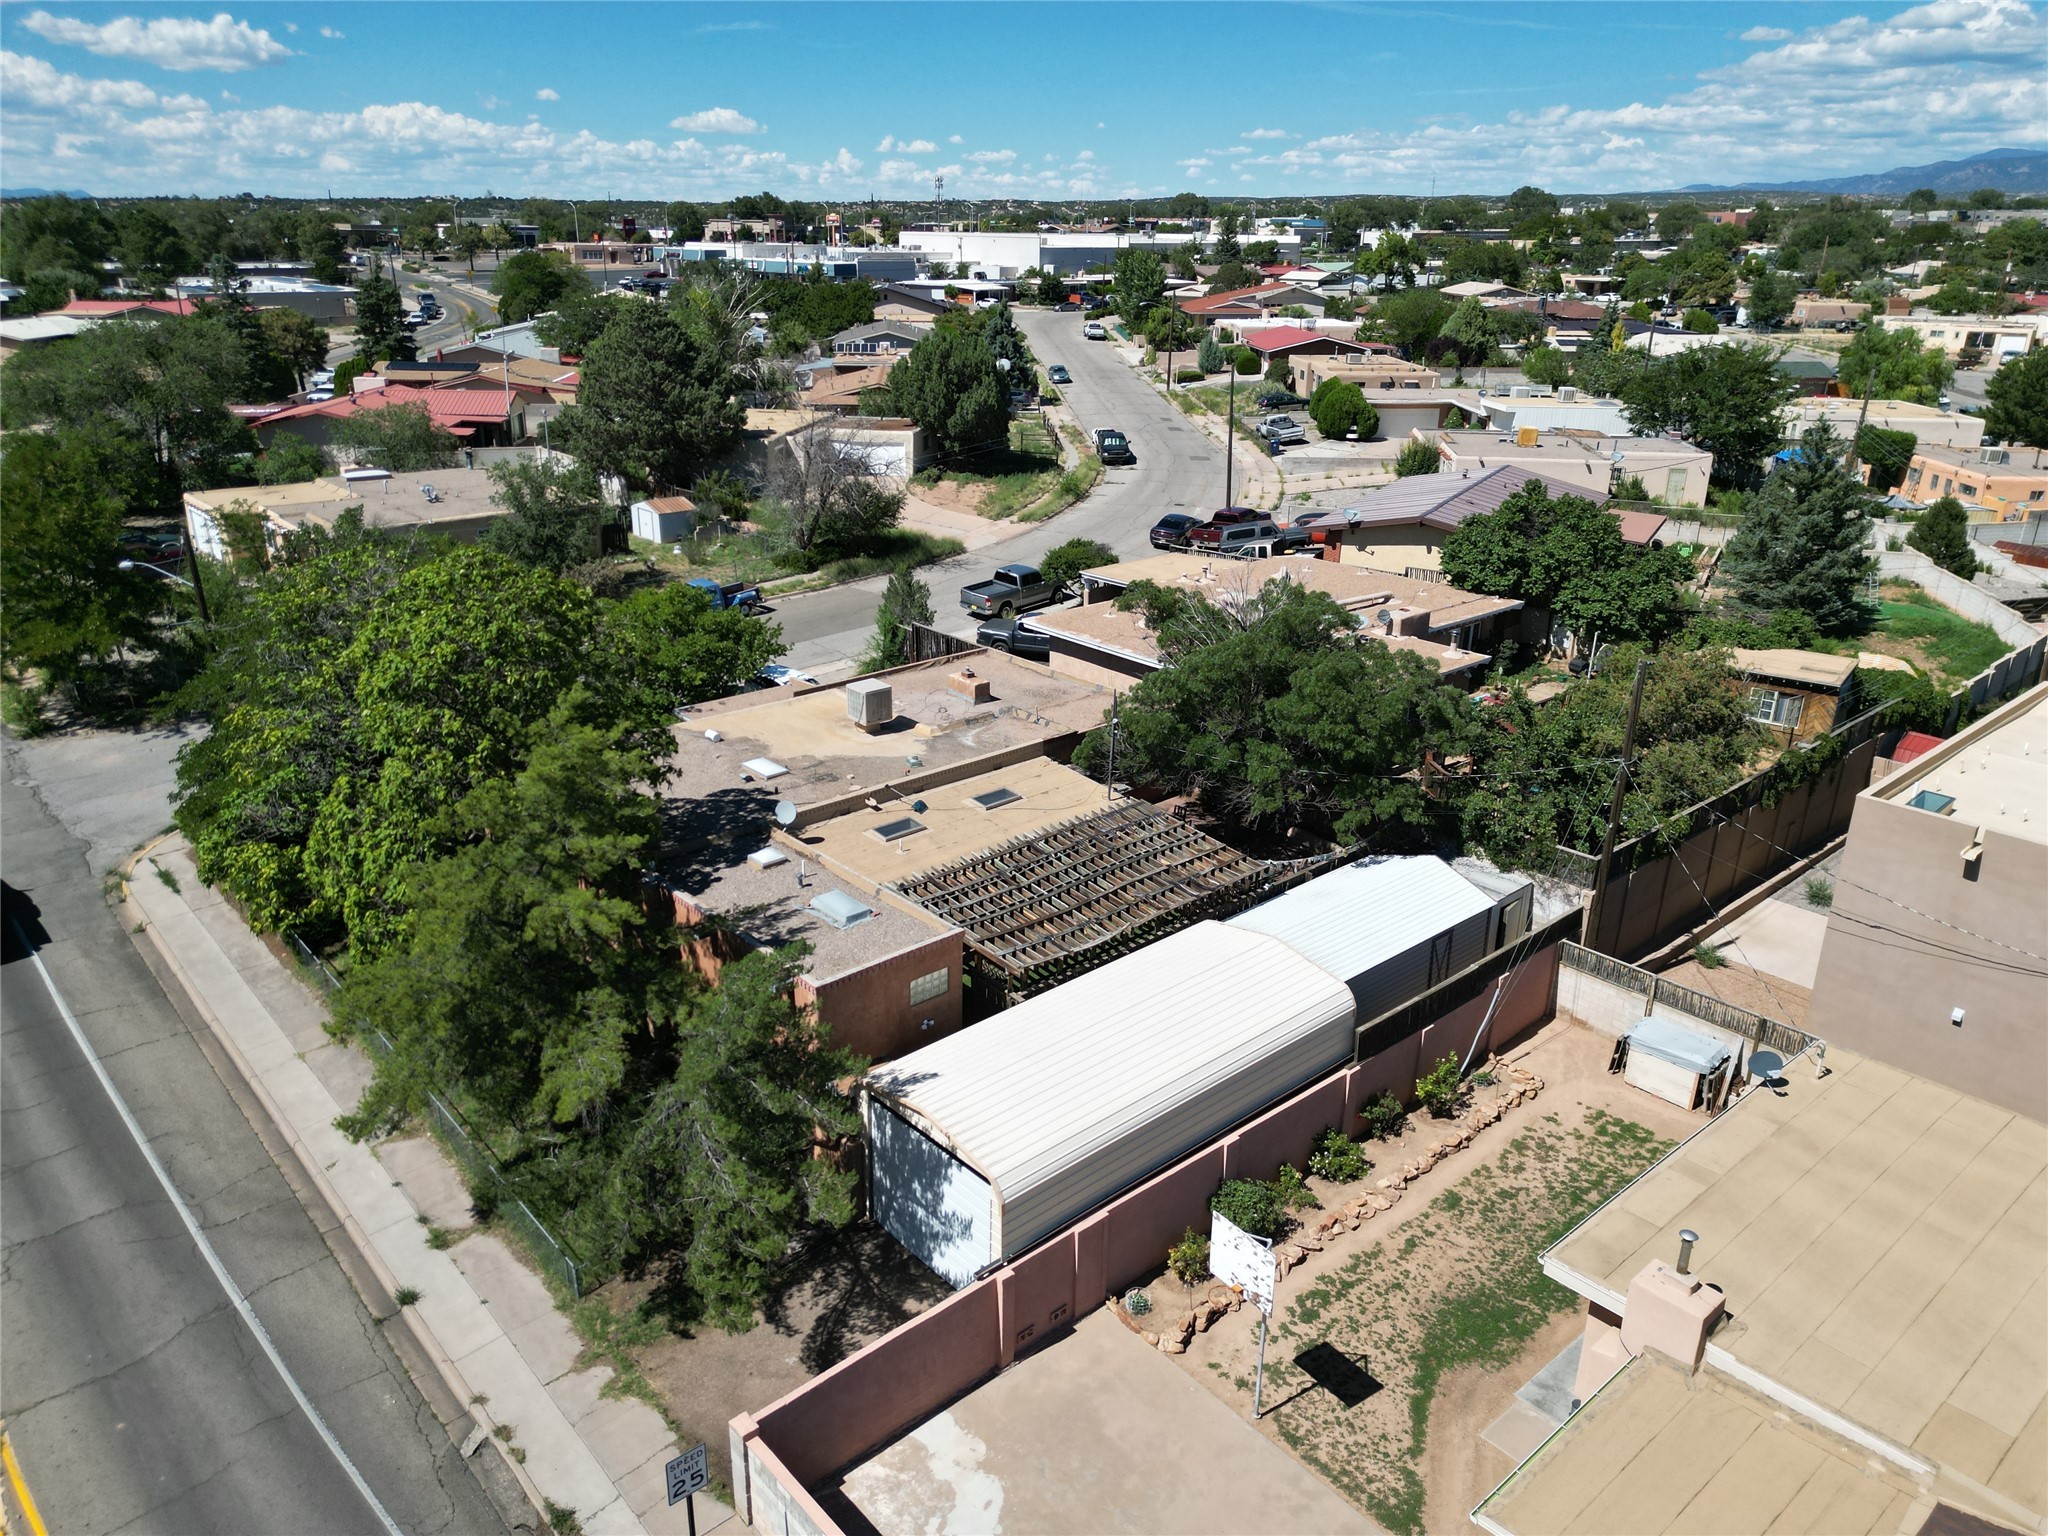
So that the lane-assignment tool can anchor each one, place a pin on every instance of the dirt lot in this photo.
(1397, 1344)
(848, 1290)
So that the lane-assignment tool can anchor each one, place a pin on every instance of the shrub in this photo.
(1437, 1089)
(1291, 1189)
(1136, 1302)
(1820, 891)
(1338, 405)
(1189, 1258)
(1244, 360)
(1209, 355)
(1418, 458)
(1709, 956)
(1382, 1116)
(1338, 1158)
(1252, 1205)
(1188, 375)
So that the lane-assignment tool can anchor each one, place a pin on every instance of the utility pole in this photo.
(1111, 784)
(1230, 433)
(1591, 936)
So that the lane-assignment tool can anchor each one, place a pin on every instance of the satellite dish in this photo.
(1384, 616)
(1766, 1066)
(785, 813)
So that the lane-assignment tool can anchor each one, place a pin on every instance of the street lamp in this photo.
(191, 581)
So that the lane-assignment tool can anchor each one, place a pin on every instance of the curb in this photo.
(451, 1376)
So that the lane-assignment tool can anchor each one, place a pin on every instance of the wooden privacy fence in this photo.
(1761, 1031)
(923, 643)
(1658, 889)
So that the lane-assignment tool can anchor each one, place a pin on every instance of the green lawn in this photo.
(1917, 628)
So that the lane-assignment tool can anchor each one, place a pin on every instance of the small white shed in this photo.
(664, 519)
(1675, 1063)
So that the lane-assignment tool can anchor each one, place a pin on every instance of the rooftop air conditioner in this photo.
(870, 704)
(1567, 394)
(1520, 392)
(1997, 456)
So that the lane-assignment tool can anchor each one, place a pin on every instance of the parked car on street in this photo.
(1058, 374)
(1171, 531)
(1112, 447)
(1232, 538)
(1282, 429)
(1014, 589)
(1011, 635)
(1093, 331)
(1278, 400)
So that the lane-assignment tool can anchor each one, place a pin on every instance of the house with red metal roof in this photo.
(1271, 341)
(107, 309)
(1251, 303)
(480, 415)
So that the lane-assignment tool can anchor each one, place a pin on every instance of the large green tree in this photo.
(1140, 282)
(533, 282)
(1276, 713)
(950, 386)
(1893, 365)
(654, 406)
(1566, 556)
(1942, 534)
(1804, 542)
(64, 600)
(553, 511)
(298, 343)
(381, 335)
(402, 437)
(2016, 401)
(1727, 399)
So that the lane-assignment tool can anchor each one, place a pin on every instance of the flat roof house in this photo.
(1998, 485)
(1796, 695)
(1933, 956)
(456, 503)
(1671, 469)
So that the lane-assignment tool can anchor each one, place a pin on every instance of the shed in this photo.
(1672, 1061)
(664, 518)
(994, 1138)
(1388, 928)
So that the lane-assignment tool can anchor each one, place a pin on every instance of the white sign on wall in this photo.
(1237, 1258)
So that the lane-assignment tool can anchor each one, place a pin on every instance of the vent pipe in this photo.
(1686, 1238)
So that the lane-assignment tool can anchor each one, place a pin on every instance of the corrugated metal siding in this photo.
(1389, 929)
(927, 1199)
(1067, 1098)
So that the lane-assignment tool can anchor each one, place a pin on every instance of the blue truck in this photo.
(731, 594)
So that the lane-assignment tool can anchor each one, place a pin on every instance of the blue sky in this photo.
(843, 100)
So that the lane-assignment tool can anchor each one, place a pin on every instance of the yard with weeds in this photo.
(753, 557)
(1915, 627)
(1026, 481)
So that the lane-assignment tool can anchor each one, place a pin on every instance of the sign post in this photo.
(686, 1474)
(1240, 1259)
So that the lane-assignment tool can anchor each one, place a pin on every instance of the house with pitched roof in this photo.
(1251, 303)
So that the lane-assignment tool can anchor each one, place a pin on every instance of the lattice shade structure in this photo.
(1039, 909)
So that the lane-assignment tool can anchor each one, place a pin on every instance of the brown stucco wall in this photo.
(1910, 938)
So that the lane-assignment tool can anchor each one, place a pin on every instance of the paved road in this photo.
(1179, 469)
(136, 1396)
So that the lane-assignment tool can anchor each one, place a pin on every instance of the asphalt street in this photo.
(1179, 469)
(137, 1397)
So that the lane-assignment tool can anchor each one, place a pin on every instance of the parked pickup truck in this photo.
(733, 594)
(1014, 589)
(1282, 429)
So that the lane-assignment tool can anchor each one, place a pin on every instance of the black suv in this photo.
(1112, 447)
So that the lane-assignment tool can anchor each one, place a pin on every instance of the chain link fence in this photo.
(485, 1178)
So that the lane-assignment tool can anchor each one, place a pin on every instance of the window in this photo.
(1913, 475)
(2035, 495)
(924, 988)
(1969, 490)
(1772, 706)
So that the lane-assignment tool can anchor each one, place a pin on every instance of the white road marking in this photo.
(220, 1273)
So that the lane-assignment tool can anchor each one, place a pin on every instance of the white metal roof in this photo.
(1067, 1098)
(1355, 918)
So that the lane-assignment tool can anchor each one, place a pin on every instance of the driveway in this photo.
(1179, 469)
(1095, 1432)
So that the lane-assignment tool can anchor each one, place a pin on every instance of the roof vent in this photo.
(897, 830)
(840, 909)
(988, 800)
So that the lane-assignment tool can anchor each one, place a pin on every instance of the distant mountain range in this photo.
(2009, 170)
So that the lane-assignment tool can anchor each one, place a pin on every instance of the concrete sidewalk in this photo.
(482, 1316)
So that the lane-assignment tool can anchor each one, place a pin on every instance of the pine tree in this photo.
(1209, 355)
(1943, 536)
(1804, 541)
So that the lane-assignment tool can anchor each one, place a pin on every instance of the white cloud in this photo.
(954, 138)
(490, 103)
(1086, 154)
(1765, 35)
(891, 145)
(547, 93)
(175, 43)
(993, 156)
(33, 82)
(1195, 164)
(229, 96)
(332, 33)
(1102, 125)
(1265, 133)
(291, 26)
(715, 120)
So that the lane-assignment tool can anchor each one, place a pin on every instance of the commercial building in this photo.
(1999, 338)
(988, 1142)
(1007, 254)
(1592, 463)
(1401, 527)
(1823, 1311)
(1936, 957)
(456, 503)
(324, 303)
(1997, 485)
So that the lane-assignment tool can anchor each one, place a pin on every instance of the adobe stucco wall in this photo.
(903, 1377)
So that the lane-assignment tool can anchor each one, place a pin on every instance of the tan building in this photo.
(1828, 314)
(456, 503)
(1373, 374)
(1671, 470)
(1796, 695)
(1998, 485)
(1933, 427)
(1999, 338)
(1936, 957)
(1854, 1341)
